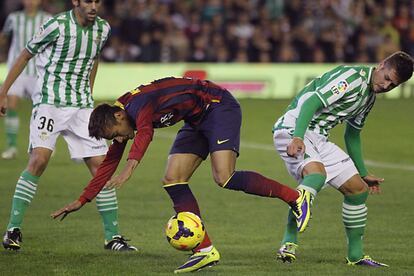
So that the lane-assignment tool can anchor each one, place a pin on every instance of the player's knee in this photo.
(221, 178)
(37, 164)
(171, 179)
(362, 188)
(354, 185)
(358, 188)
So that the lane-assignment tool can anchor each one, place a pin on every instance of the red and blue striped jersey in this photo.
(162, 103)
(171, 100)
(165, 102)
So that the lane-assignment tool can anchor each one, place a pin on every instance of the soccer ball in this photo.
(185, 231)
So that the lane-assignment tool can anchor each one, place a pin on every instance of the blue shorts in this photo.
(218, 130)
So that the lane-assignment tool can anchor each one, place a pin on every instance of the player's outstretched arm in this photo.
(119, 180)
(14, 72)
(71, 207)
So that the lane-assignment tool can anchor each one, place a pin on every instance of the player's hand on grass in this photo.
(296, 147)
(71, 207)
(373, 184)
(3, 104)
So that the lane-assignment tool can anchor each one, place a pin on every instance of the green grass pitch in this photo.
(246, 230)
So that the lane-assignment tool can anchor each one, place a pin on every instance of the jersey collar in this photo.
(72, 16)
(371, 69)
(75, 21)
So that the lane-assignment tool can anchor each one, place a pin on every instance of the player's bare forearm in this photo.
(119, 180)
(71, 207)
(3, 41)
(105, 171)
(14, 72)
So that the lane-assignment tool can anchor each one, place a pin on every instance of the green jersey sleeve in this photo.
(47, 34)
(309, 107)
(354, 148)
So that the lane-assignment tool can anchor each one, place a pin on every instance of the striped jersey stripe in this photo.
(66, 53)
(21, 28)
(345, 93)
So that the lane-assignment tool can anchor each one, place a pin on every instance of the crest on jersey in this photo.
(340, 87)
(166, 118)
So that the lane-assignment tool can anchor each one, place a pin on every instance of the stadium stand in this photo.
(251, 30)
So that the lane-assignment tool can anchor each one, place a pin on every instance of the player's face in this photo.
(384, 79)
(87, 9)
(122, 130)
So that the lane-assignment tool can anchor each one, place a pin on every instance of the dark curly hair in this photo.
(102, 117)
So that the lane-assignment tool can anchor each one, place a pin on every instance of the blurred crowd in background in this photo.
(250, 30)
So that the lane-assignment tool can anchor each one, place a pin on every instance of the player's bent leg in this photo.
(301, 209)
(287, 252)
(119, 243)
(314, 177)
(180, 168)
(200, 260)
(354, 215)
(223, 164)
(23, 195)
(366, 261)
(107, 205)
(12, 239)
(290, 237)
(38, 161)
(254, 183)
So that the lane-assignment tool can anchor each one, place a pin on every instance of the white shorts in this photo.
(48, 122)
(338, 165)
(25, 86)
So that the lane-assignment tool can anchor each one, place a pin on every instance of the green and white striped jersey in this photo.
(66, 52)
(21, 28)
(345, 93)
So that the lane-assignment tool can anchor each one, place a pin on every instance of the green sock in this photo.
(108, 208)
(25, 190)
(291, 232)
(354, 216)
(313, 183)
(12, 126)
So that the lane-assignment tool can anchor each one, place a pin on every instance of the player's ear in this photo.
(119, 115)
(381, 64)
